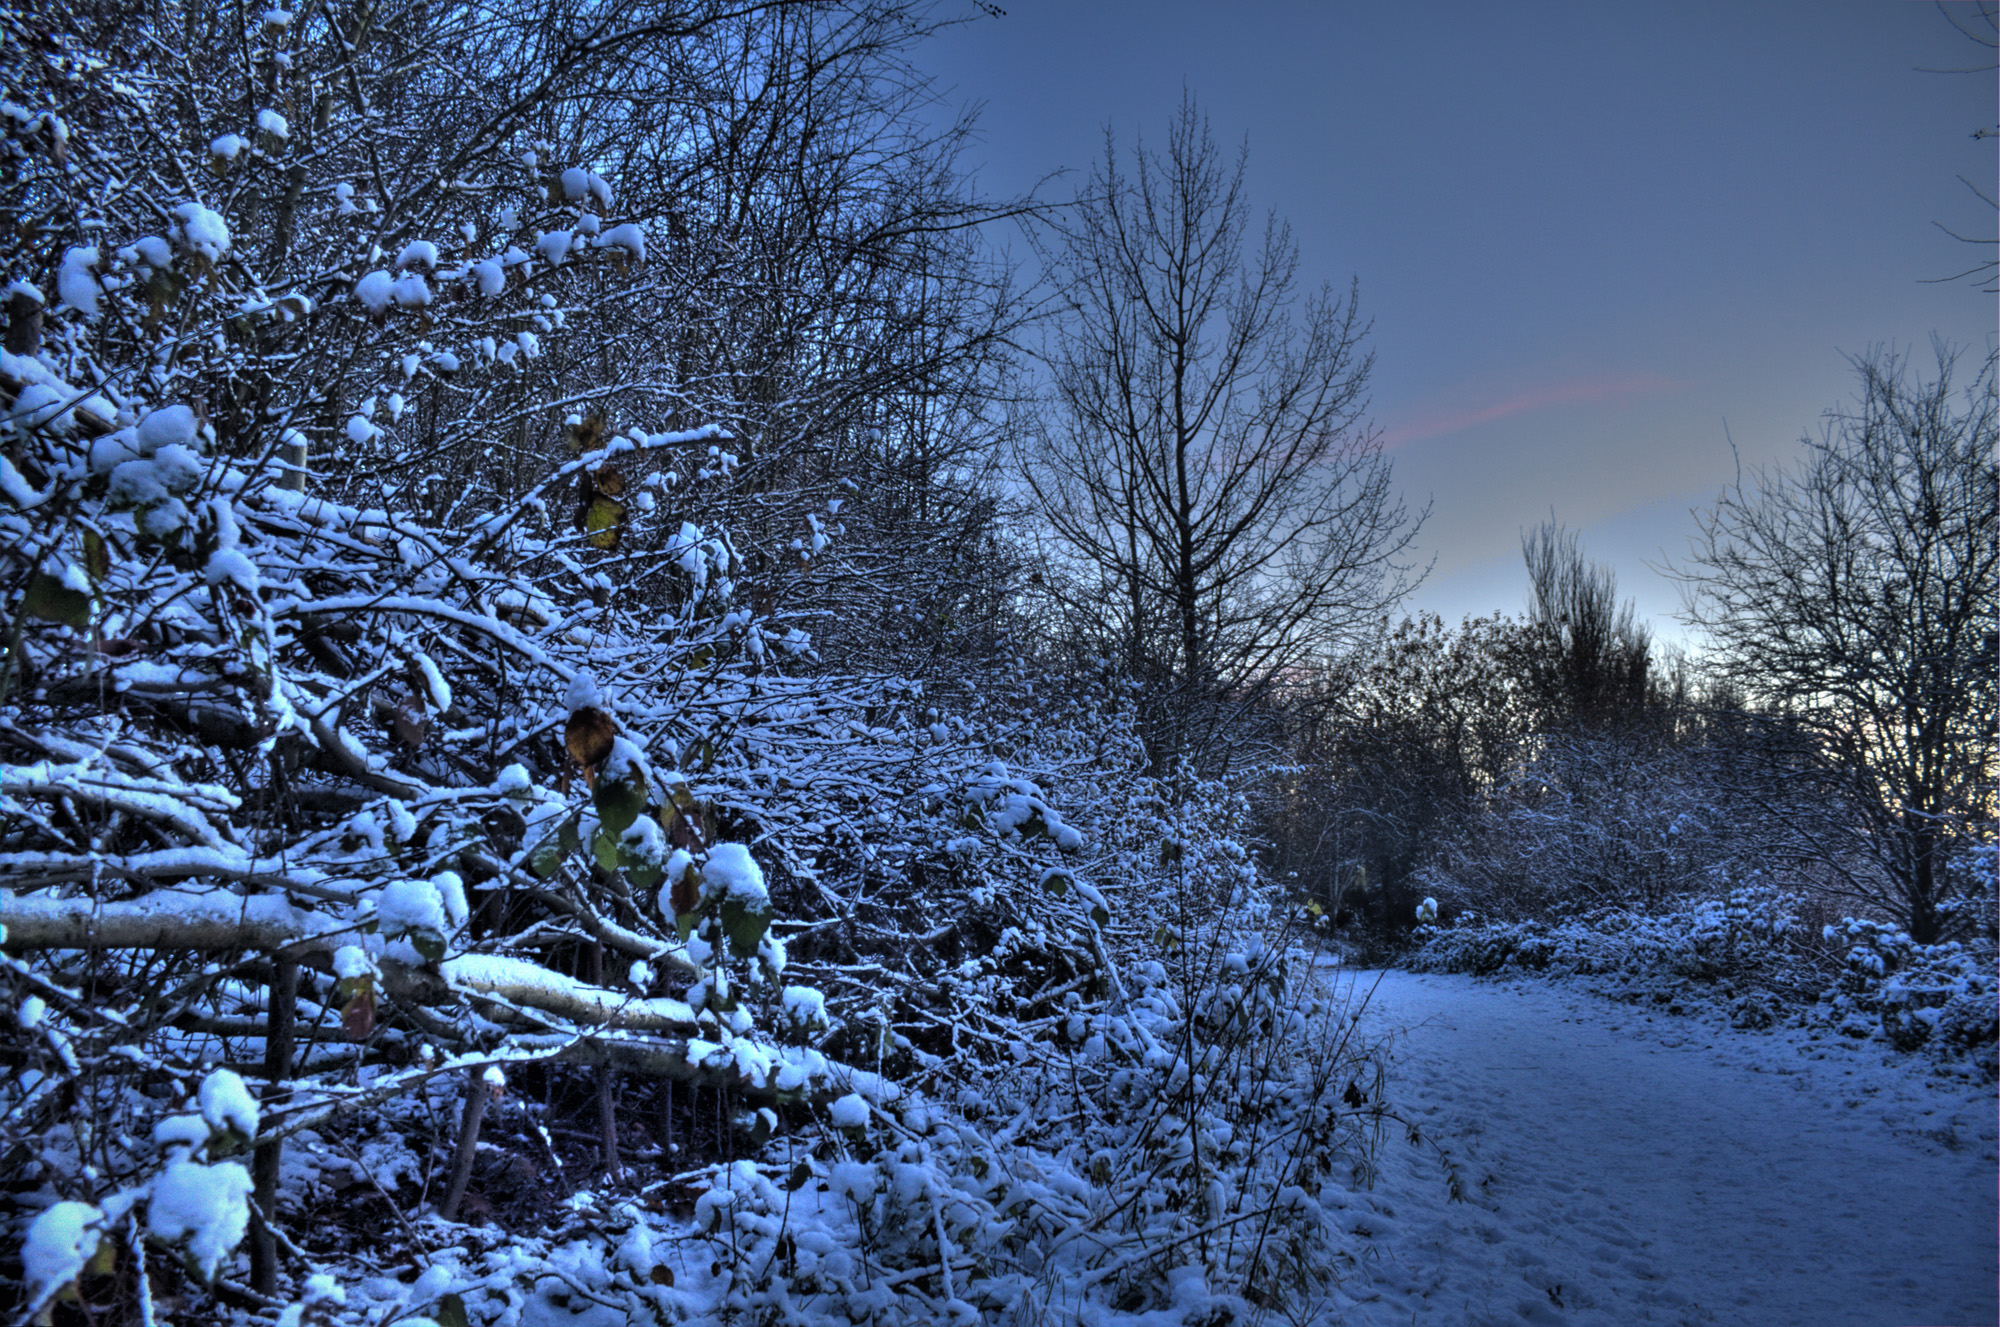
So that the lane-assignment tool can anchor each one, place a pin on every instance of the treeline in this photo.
(569, 630)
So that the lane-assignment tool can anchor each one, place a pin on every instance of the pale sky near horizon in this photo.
(1598, 240)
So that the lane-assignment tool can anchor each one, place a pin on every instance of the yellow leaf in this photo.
(602, 520)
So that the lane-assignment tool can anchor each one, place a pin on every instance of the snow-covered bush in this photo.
(1618, 819)
(1858, 977)
(1734, 937)
(412, 735)
(1937, 996)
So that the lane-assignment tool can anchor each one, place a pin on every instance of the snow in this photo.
(625, 763)
(554, 246)
(583, 693)
(849, 1112)
(411, 291)
(519, 978)
(167, 425)
(411, 905)
(731, 873)
(204, 1205)
(352, 961)
(18, 490)
(644, 839)
(374, 292)
(439, 690)
(451, 889)
(39, 406)
(228, 147)
(233, 567)
(188, 1131)
(626, 237)
(201, 230)
(576, 184)
(60, 1242)
(75, 283)
(804, 1006)
(488, 277)
(1629, 1166)
(140, 483)
(274, 124)
(227, 1104)
(418, 253)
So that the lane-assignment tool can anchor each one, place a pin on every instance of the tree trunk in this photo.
(278, 1037)
(476, 1091)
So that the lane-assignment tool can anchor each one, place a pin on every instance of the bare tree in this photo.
(1205, 465)
(1980, 24)
(1583, 657)
(1855, 594)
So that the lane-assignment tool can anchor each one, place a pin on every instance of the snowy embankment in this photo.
(1622, 1166)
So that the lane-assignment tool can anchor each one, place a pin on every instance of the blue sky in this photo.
(1590, 235)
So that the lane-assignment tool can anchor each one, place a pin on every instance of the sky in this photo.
(1609, 250)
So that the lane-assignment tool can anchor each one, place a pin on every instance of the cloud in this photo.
(1437, 423)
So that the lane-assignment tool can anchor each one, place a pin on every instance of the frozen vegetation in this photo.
(562, 761)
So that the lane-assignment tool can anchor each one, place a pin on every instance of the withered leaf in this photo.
(357, 1016)
(588, 736)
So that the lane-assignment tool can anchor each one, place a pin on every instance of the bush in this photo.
(1750, 953)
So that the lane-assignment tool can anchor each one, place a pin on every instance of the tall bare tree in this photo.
(1583, 658)
(1856, 594)
(1205, 464)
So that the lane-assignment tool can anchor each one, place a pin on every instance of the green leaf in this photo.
(450, 1312)
(618, 803)
(684, 924)
(1056, 882)
(546, 860)
(96, 557)
(744, 927)
(642, 873)
(429, 944)
(604, 847)
(52, 601)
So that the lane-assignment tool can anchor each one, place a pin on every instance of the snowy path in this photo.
(1634, 1167)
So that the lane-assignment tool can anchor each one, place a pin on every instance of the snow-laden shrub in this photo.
(1937, 996)
(1173, 1107)
(375, 750)
(1862, 978)
(1735, 936)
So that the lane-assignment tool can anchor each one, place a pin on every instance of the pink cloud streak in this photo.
(1437, 423)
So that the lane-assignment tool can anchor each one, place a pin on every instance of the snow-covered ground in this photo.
(1623, 1165)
